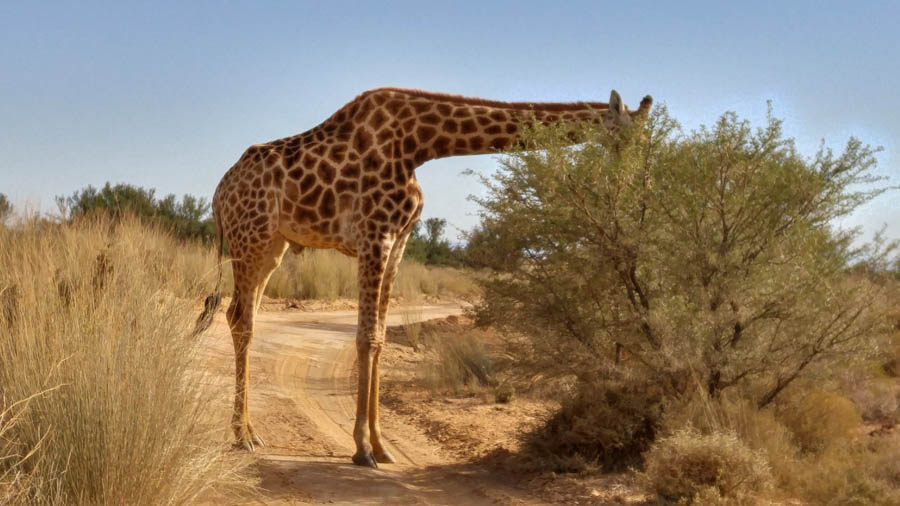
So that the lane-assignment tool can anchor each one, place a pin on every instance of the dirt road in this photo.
(302, 400)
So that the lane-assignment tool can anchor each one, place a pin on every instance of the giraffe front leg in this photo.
(372, 261)
(382, 455)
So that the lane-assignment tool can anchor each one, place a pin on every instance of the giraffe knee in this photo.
(369, 344)
(235, 311)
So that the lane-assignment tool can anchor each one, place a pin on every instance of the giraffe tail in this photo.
(212, 302)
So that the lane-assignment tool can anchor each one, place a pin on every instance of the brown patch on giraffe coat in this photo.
(367, 205)
(451, 126)
(425, 133)
(369, 182)
(362, 140)
(350, 171)
(309, 161)
(337, 153)
(384, 136)
(476, 143)
(371, 162)
(377, 119)
(409, 144)
(467, 126)
(493, 130)
(278, 176)
(430, 118)
(344, 186)
(500, 142)
(304, 215)
(441, 146)
(421, 106)
(306, 184)
(311, 198)
(326, 204)
(326, 172)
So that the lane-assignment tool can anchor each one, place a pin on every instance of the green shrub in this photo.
(710, 253)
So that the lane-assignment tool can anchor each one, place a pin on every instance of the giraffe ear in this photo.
(616, 106)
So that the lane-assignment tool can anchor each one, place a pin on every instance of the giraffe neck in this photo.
(416, 126)
(434, 125)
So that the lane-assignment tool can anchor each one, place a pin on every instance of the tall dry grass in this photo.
(94, 333)
(328, 275)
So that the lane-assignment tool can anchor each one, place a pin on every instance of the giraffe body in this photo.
(349, 184)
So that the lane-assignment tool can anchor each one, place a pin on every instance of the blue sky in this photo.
(168, 94)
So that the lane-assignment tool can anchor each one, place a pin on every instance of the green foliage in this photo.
(6, 208)
(430, 247)
(187, 219)
(707, 255)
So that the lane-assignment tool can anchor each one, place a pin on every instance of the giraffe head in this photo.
(618, 114)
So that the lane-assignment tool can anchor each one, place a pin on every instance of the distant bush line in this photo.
(191, 218)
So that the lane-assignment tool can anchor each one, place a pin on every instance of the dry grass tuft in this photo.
(461, 364)
(328, 275)
(689, 466)
(412, 326)
(116, 415)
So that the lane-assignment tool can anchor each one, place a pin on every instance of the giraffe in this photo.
(350, 184)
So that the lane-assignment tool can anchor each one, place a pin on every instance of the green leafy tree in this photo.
(188, 218)
(6, 208)
(430, 247)
(707, 258)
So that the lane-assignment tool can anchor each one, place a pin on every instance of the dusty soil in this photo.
(473, 426)
(302, 403)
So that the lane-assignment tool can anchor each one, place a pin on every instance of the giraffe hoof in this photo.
(365, 459)
(384, 457)
(257, 440)
(249, 442)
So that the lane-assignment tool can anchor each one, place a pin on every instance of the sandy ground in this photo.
(302, 402)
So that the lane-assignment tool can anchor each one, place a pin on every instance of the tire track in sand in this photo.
(302, 401)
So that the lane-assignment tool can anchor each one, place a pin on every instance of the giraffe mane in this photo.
(522, 106)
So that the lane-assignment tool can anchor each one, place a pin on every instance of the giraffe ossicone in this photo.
(349, 184)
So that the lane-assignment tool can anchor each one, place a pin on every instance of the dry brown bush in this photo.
(688, 464)
(604, 424)
(818, 419)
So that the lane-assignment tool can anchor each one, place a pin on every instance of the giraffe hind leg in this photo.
(251, 273)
